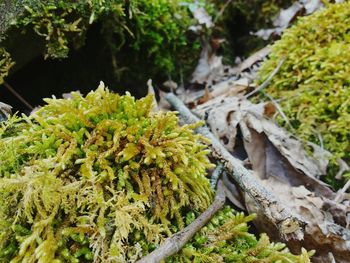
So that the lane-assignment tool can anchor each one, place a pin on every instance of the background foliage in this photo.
(154, 34)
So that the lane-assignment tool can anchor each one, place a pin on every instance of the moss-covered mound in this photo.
(102, 178)
(314, 80)
(94, 176)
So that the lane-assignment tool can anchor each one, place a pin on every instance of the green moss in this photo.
(100, 176)
(6, 64)
(226, 239)
(313, 81)
(156, 31)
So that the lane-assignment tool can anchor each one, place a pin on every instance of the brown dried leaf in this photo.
(209, 66)
(281, 163)
(5, 111)
(327, 224)
(286, 16)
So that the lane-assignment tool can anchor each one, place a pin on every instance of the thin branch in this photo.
(341, 192)
(289, 226)
(279, 108)
(17, 95)
(216, 174)
(222, 10)
(268, 80)
(174, 243)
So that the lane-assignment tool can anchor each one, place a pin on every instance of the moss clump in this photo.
(100, 177)
(6, 64)
(313, 81)
(226, 239)
(158, 29)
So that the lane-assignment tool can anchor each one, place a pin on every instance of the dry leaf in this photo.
(208, 67)
(327, 228)
(202, 17)
(286, 16)
(5, 111)
(152, 92)
(281, 163)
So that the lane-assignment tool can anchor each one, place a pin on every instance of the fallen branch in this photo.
(17, 95)
(174, 243)
(288, 225)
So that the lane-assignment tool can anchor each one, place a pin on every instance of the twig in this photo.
(268, 80)
(343, 167)
(289, 226)
(233, 194)
(174, 243)
(251, 60)
(279, 108)
(222, 10)
(17, 95)
(341, 192)
(215, 175)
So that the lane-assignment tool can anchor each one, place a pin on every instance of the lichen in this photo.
(6, 64)
(99, 177)
(313, 83)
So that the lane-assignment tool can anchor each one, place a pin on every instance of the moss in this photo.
(156, 31)
(313, 82)
(226, 239)
(101, 174)
(6, 64)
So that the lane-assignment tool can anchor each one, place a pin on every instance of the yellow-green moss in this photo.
(226, 239)
(158, 29)
(314, 80)
(102, 178)
(100, 173)
(6, 64)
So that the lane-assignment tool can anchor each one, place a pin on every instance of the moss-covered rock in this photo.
(314, 80)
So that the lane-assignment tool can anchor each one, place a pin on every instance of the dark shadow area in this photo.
(82, 71)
